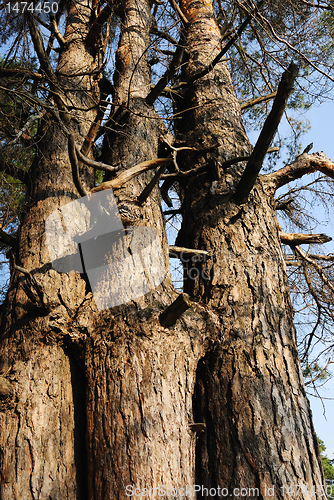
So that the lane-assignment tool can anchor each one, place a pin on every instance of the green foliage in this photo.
(327, 464)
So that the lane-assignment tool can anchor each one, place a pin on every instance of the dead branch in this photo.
(149, 188)
(36, 38)
(173, 66)
(303, 164)
(175, 310)
(96, 27)
(177, 9)
(11, 73)
(258, 100)
(176, 252)
(75, 167)
(130, 173)
(94, 164)
(254, 164)
(7, 239)
(316, 266)
(39, 296)
(293, 239)
(55, 31)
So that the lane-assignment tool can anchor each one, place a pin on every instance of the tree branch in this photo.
(7, 239)
(130, 173)
(173, 66)
(254, 165)
(14, 172)
(96, 27)
(95, 164)
(149, 188)
(10, 73)
(175, 310)
(258, 100)
(303, 164)
(293, 239)
(75, 167)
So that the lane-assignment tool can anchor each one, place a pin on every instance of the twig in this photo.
(254, 164)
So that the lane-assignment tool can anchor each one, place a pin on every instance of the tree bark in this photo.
(98, 404)
(249, 388)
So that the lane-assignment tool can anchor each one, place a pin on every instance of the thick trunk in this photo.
(42, 451)
(249, 388)
(103, 401)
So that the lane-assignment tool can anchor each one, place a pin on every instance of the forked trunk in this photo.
(104, 400)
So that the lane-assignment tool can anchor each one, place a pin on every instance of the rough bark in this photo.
(249, 388)
(97, 403)
(42, 423)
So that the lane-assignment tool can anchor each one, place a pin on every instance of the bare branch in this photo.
(258, 100)
(75, 167)
(130, 173)
(294, 239)
(176, 252)
(173, 66)
(7, 239)
(31, 120)
(96, 28)
(149, 188)
(6, 72)
(177, 9)
(254, 164)
(303, 164)
(95, 164)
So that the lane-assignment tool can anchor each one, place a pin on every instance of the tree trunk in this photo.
(249, 388)
(103, 402)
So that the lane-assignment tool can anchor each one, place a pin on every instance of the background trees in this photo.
(93, 400)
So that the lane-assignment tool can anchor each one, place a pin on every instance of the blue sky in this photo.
(322, 136)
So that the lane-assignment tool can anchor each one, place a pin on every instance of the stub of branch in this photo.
(294, 239)
(198, 427)
(175, 310)
(130, 173)
(254, 164)
(149, 188)
(177, 252)
(303, 164)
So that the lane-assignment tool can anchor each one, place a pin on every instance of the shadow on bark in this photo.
(78, 380)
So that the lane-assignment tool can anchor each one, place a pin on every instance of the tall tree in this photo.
(115, 386)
